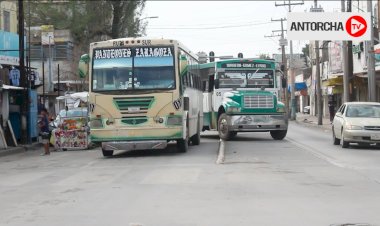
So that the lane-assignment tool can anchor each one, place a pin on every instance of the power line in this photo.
(203, 28)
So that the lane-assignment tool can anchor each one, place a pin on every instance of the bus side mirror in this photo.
(83, 66)
(216, 82)
(186, 104)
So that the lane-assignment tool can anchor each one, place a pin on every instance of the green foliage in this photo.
(90, 21)
(264, 56)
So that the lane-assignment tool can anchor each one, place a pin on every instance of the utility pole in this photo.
(291, 68)
(350, 61)
(346, 94)
(283, 43)
(23, 78)
(318, 71)
(371, 59)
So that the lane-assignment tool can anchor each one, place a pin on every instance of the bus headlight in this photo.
(96, 123)
(233, 109)
(174, 120)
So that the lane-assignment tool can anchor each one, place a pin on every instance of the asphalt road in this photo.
(302, 180)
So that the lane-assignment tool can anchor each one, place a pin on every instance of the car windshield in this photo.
(363, 111)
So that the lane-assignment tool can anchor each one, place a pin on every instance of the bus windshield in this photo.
(246, 79)
(134, 71)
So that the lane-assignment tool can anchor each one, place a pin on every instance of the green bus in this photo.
(243, 95)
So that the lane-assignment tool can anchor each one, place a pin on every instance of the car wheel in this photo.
(345, 144)
(336, 140)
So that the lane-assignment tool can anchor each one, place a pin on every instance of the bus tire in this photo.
(107, 153)
(224, 132)
(278, 134)
(196, 138)
(182, 145)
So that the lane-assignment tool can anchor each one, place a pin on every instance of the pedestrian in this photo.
(331, 104)
(43, 124)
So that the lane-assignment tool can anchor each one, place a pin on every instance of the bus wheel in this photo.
(183, 145)
(196, 138)
(107, 153)
(278, 134)
(223, 130)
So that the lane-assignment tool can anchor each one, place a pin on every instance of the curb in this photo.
(310, 124)
(19, 149)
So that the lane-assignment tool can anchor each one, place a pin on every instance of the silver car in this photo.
(357, 122)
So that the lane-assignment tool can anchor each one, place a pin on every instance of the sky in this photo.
(225, 27)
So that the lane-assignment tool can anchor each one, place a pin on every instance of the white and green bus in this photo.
(242, 95)
(143, 94)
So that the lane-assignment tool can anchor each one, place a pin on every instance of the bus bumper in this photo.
(134, 145)
(259, 123)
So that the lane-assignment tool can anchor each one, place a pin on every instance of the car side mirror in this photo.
(339, 114)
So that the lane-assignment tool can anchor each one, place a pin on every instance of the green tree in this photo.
(91, 21)
(264, 56)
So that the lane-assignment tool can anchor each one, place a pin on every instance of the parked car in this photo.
(357, 122)
(306, 110)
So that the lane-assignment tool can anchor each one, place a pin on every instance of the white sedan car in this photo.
(357, 122)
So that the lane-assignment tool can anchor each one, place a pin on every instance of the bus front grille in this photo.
(133, 105)
(258, 101)
(134, 120)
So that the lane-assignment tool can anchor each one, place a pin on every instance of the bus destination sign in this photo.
(245, 65)
(114, 53)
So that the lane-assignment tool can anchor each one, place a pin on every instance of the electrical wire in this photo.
(216, 27)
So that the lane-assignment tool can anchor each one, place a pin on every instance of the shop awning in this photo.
(333, 81)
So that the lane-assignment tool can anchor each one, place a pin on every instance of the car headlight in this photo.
(233, 109)
(354, 127)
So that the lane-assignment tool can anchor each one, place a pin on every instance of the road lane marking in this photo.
(220, 159)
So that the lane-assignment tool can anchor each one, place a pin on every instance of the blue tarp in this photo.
(299, 86)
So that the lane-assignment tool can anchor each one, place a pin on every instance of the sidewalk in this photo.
(20, 149)
(312, 121)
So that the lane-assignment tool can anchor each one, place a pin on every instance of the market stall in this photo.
(71, 129)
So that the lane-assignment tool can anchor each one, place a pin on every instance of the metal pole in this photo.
(43, 76)
(346, 94)
(292, 79)
(50, 79)
(58, 81)
(371, 59)
(283, 53)
(350, 61)
(23, 79)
